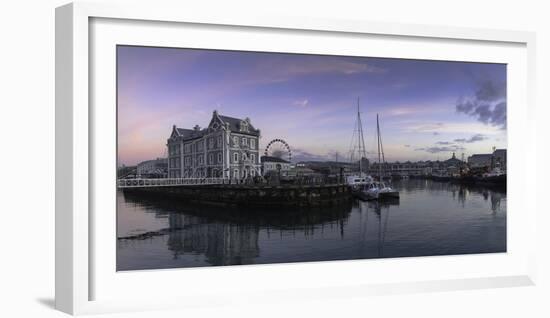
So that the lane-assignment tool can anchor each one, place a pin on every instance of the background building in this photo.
(157, 168)
(489, 161)
(500, 158)
(450, 166)
(227, 148)
(480, 160)
(275, 165)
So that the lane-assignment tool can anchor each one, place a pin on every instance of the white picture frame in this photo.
(78, 172)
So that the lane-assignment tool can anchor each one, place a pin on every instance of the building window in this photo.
(244, 157)
(200, 160)
(243, 141)
(244, 126)
(252, 143)
(219, 141)
(253, 172)
(236, 173)
(253, 158)
(235, 157)
(236, 141)
(211, 142)
(219, 157)
(211, 159)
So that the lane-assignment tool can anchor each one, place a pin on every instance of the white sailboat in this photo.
(358, 181)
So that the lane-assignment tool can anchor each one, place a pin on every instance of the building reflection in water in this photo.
(221, 244)
(230, 236)
(460, 192)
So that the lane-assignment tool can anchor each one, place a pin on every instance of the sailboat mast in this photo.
(360, 139)
(378, 140)
(359, 133)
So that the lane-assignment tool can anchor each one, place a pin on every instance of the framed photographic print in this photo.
(238, 155)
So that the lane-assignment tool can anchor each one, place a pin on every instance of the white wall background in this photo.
(27, 153)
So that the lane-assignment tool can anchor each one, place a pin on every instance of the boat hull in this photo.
(364, 195)
(388, 195)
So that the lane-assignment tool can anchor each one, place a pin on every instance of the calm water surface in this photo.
(431, 218)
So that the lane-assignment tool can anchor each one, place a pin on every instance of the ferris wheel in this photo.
(278, 148)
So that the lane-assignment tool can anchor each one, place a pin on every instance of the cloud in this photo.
(452, 148)
(282, 69)
(474, 138)
(439, 128)
(324, 65)
(301, 102)
(408, 146)
(426, 127)
(488, 105)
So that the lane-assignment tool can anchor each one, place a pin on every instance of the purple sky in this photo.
(428, 109)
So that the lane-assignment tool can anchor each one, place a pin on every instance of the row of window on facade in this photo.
(199, 146)
(175, 162)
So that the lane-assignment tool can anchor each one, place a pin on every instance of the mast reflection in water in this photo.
(431, 218)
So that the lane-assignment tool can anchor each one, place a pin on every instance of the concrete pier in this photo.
(252, 195)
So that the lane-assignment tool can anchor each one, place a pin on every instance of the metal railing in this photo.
(168, 182)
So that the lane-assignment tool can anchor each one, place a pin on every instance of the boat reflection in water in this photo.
(431, 218)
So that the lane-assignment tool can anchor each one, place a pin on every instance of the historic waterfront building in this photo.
(227, 148)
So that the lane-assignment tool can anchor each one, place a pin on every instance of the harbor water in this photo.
(430, 218)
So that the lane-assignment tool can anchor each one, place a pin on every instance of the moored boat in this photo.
(384, 191)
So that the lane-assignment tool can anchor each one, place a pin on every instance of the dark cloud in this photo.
(408, 146)
(474, 138)
(452, 146)
(490, 91)
(488, 105)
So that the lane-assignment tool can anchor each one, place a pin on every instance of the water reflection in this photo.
(425, 221)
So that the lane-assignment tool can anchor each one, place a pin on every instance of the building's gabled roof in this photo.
(235, 124)
(272, 159)
(190, 133)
